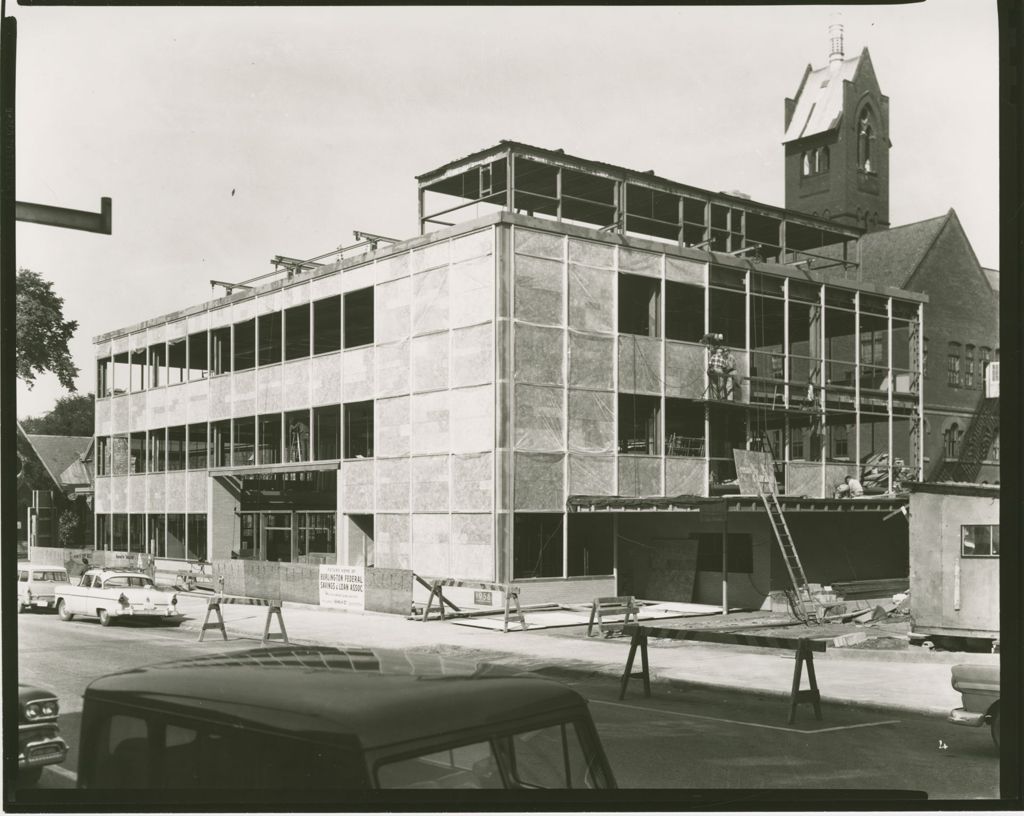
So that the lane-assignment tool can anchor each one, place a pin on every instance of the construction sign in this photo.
(342, 587)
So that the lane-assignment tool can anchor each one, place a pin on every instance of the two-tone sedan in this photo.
(109, 594)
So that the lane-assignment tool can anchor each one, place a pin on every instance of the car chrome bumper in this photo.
(50, 751)
(961, 716)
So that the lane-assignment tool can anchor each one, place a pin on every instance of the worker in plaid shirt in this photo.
(721, 369)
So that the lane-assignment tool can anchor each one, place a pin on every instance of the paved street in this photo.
(683, 737)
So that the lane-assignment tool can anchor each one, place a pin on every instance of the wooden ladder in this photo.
(805, 606)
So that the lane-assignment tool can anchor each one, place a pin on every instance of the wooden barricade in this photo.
(804, 649)
(273, 608)
(622, 605)
(511, 596)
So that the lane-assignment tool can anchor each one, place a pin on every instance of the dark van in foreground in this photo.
(291, 718)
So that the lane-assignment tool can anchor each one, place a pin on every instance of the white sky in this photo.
(320, 118)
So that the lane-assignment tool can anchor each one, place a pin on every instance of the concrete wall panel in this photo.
(393, 485)
(175, 330)
(539, 357)
(101, 494)
(395, 266)
(268, 389)
(137, 494)
(430, 362)
(803, 479)
(539, 481)
(539, 244)
(197, 401)
(393, 427)
(472, 291)
(472, 358)
(198, 322)
(591, 361)
(269, 302)
(176, 398)
(431, 544)
(243, 310)
(472, 481)
(103, 414)
(472, 418)
(325, 378)
(119, 494)
(430, 484)
(539, 418)
(639, 263)
(217, 318)
(119, 414)
(591, 475)
(243, 394)
(684, 271)
(431, 256)
(430, 422)
(538, 295)
(220, 398)
(472, 553)
(295, 384)
(177, 494)
(357, 486)
(591, 253)
(392, 307)
(392, 540)
(357, 376)
(685, 368)
(197, 484)
(639, 476)
(156, 497)
(393, 369)
(325, 286)
(639, 364)
(591, 298)
(474, 245)
(430, 301)
(684, 476)
(295, 295)
(137, 413)
(358, 277)
(591, 421)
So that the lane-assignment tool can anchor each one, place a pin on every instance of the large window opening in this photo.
(196, 539)
(727, 315)
(684, 428)
(727, 432)
(102, 463)
(220, 443)
(220, 350)
(197, 446)
(269, 331)
(198, 367)
(327, 431)
(684, 312)
(175, 536)
(243, 448)
(359, 430)
(157, 533)
(157, 365)
(327, 325)
(296, 425)
(244, 356)
(121, 373)
(120, 529)
(120, 455)
(177, 362)
(591, 548)
(103, 377)
(137, 452)
(316, 544)
(359, 318)
(361, 549)
(157, 451)
(296, 332)
(639, 425)
(639, 305)
(137, 533)
(537, 545)
(270, 439)
(176, 448)
(137, 381)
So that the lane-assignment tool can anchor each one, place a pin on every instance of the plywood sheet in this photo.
(755, 472)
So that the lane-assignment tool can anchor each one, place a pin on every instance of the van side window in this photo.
(551, 757)
(23, 575)
(86, 581)
(122, 753)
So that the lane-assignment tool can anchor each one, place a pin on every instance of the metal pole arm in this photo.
(100, 222)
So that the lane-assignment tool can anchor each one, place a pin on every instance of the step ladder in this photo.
(804, 605)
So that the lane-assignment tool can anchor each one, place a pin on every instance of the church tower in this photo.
(837, 142)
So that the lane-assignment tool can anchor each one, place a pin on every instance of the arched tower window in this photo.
(865, 135)
(821, 159)
(806, 163)
(952, 441)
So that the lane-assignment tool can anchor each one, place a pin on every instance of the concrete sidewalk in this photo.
(915, 681)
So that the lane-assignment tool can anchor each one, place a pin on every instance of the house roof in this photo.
(80, 471)
(819, 100)
(992, 275)
(59, 453)
(892, 256)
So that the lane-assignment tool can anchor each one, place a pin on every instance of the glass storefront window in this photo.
(316, 535)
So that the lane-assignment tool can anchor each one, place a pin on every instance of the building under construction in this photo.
(526, 391)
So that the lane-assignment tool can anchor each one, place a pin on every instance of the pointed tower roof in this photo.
(819, 99)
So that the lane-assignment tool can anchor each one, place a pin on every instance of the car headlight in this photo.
(43, 708)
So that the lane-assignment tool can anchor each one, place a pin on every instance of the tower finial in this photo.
(835, 36)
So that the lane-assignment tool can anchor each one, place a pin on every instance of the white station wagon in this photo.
(115, 593)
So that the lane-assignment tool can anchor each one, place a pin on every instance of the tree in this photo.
(43, 334)
(68, 528)
(73, 415)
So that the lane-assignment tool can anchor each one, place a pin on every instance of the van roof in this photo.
(48, 567)
(379, 697)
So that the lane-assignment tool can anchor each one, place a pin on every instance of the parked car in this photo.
(979, 689)
(39, 741)
(116, 593)
(36, 583)
(319, 718)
